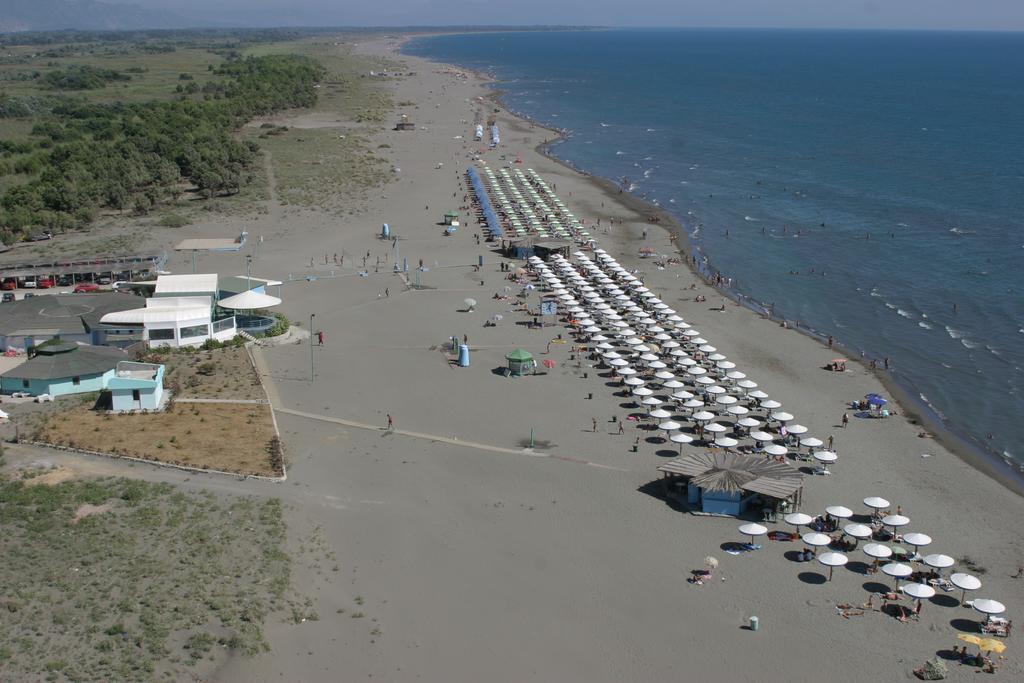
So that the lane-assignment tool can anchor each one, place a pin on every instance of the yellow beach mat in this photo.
(984, 644)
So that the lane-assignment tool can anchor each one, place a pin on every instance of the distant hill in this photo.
(55, 15)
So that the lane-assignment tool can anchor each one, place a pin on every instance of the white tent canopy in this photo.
(250, 300)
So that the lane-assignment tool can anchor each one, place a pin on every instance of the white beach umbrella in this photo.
(757, 394)
(896, 521)
(626, 372)
(673, 384)
(877, 551)
(726, 442)
(716, 428)
(652, 401)
(601, 338)
(782, 416)
(939, 561)
(648, 357)
(839, 511)
(703, 416)
(670, 425)
(633, 341)
(919, 591)
(696, 371)
(726, 400)
(832, 560)
(797, 429)
(762, 436)
(753, 530)
(671, 344)
(770, 404)
(965, 582)
(876, 502)
(657, 365)
(693, 403)
(798, 519)
(989, 607)
(917, 540)
(738, 411)
(857, 530)
(611, 354)
(897, 570)
(816, 539)
(682, 395)
(709, 383)
(680, 438)
(826, 457)
(642, 391)
(586, 322)
(775, 449)
(748, 422)
(707, 348)
(660, 413)
(634, 382)
(684, 360)
(618, 362)
(744, 383)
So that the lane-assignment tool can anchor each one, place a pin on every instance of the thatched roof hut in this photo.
(725, 481)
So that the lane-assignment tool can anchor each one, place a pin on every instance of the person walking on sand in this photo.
(594, 420)
(846, 420)
(319, 337)
(831, 439)
(621, 429)
(391, 423)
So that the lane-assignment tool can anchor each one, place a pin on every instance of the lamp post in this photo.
(248, 272)
(311, 371)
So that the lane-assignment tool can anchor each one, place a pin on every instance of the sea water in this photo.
(864, 183)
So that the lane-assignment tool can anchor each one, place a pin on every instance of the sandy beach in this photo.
(464, 555)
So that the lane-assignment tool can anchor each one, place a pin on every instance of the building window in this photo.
(161, 334)
(195, 331)
(76, 380)
(24, 384)
(136, 396)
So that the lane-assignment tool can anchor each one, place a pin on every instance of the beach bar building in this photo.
(59, 368)
(728, 483)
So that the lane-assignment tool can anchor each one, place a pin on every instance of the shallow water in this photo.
(862, 182)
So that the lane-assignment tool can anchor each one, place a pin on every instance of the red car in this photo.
(45, 283)
(85, 287)
(9, 285)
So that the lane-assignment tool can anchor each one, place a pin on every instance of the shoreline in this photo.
(913, 409)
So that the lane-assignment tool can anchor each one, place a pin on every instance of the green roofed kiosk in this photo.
(519, 362)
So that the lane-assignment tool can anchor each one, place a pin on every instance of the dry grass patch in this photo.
(224, 373)
(229, 437)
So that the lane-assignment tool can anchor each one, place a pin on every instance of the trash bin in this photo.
(463, 356)
(755, 623)
(385, 231)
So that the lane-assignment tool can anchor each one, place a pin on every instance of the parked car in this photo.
(65, 281)
(45, 283)
(28, 295)
(8, 296)
(85, 287)
(28, 284)
(9, 284)
(104, 280)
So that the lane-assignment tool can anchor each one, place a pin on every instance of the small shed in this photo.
(727, 483)
(546, 248)
(451, 218)
(136, 386)
(405, 124)
(519, 362)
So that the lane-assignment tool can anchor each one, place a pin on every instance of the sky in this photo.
(886, 14)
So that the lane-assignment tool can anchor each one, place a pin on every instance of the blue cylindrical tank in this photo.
(385, 231)
(463, 356)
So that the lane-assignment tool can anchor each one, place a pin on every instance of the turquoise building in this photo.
(63, 368)
(136, 386)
